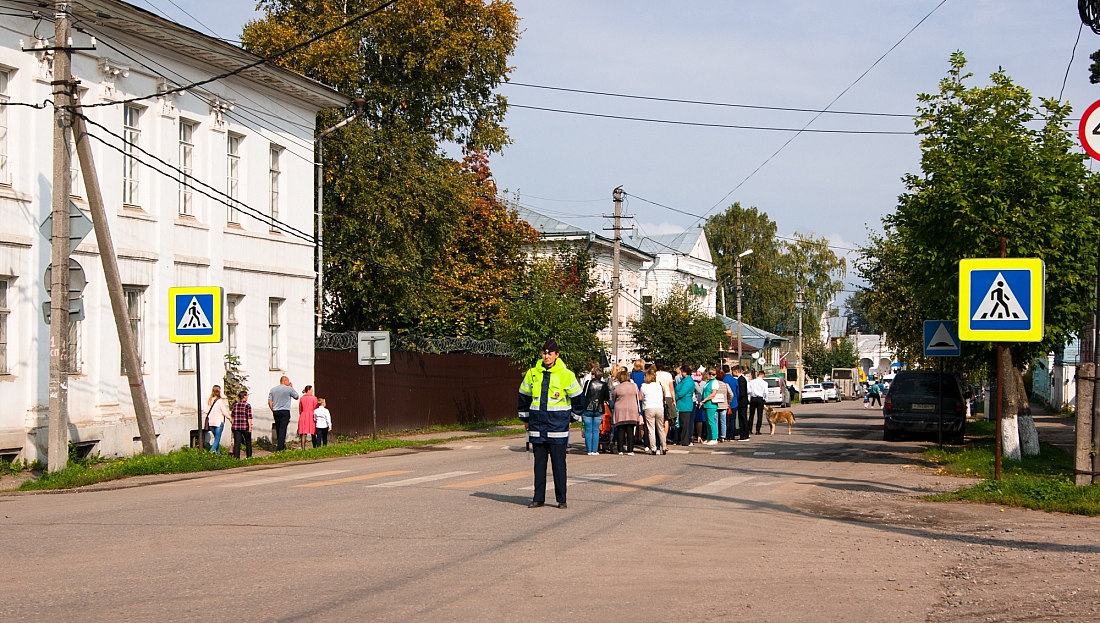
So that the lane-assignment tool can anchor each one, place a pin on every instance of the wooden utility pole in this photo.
(130, 358)
(615, 285)
(57, 455)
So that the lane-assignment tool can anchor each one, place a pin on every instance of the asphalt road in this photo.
(816, 526)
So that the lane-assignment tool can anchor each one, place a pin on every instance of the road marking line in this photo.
(766, 483)
(569, 482)
(720, 485)
(420, 479)
(763, 454)
(472, 447)
(489, 480)
(679, 451)
(325, 483)
(805, 454)
(644, 482)
(264, 480)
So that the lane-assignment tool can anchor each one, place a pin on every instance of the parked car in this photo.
(777, 392)
(813, 393)
(914, 403)
(832, 392)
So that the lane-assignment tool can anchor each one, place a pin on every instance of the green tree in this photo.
(771, 276)
(843, 354)
(986, 173)
(234, 382)
(557, 298)
(858, 314)
(677, 331)
(815, 357)
(415, 241)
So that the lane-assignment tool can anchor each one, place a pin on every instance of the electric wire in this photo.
(706, 103)
(830, 105)
(710, 125)
(256, 63)
(1071, 55)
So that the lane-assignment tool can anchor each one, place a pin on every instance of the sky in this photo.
(785, 53)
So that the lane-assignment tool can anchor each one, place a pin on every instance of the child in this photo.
(323, 422)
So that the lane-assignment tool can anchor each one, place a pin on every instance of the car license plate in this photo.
(923, 407)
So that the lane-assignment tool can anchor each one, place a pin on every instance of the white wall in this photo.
(157, 248)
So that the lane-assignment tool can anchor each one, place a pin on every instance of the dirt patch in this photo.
(10, 481)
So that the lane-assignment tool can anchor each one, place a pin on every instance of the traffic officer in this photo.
(547, 397)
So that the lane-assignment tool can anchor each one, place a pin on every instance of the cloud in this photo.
(653, 229)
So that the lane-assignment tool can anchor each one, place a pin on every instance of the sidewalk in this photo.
(1054, 429)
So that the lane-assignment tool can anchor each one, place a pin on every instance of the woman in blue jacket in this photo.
(685, 404)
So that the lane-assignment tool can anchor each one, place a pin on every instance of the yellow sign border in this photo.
(219, 302)
(1038, 299)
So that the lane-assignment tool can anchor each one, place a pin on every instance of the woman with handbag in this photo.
(217, 411)
(596, 395)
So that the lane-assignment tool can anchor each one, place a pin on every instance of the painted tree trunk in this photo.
(1029, 437)
(1010, 429)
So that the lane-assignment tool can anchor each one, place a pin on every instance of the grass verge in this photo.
(1043, 482)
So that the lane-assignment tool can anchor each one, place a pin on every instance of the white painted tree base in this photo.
(1029, 437)
(1010, 438)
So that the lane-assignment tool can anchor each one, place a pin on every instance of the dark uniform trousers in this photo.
(556, 454)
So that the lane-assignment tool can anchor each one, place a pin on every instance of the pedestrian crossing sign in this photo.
(1002, 299)
(195, 315)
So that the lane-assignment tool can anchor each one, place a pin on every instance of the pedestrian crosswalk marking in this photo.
(720, 485)
(265, 480)
(326, 483)
(763, 454)
(490, 480)
(1000, 303)
(650, 481)
(574, 481)
(805, 454)
(415, 481)
(679, 451)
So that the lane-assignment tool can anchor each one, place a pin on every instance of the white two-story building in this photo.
(233, 207)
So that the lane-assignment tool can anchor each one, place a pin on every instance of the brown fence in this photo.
(416, 390)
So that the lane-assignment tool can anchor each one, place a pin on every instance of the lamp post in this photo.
(801, 365)
(740, 255)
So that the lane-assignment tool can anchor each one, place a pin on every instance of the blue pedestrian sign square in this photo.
(195, 315)
(1001, 300)
(941, 339)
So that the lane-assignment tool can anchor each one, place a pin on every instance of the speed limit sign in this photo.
(1089, 131)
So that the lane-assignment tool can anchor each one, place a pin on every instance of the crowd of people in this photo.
(314, 418)
(651, 405)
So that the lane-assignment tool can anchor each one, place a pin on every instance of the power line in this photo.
(708, 125)
(255, 63)
(705, 103)
(835, 99)
(1080, 27)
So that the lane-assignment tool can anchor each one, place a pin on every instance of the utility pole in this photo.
(615, 286)
(801, 364)
(128, 344)
(740, 255)
(58, 441)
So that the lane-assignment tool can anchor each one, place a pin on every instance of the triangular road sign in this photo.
(1000, 303)
(194, 317)
(942, 339)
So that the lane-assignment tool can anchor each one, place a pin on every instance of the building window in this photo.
(135, 304)
(187, 168)
(74, 348)
(76, 180)
(187, 358)
(231, 304)
(273, 173)
(273, 306)
(4, 311)
(5, 177)
(131, 139)
(232, 175)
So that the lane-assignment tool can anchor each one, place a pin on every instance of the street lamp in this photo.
(740, 255)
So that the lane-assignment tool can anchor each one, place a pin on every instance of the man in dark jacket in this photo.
(742, 403)
(548, 396)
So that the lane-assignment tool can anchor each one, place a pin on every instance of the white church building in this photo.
(245, 144)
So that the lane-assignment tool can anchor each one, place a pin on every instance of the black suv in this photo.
(913, 405)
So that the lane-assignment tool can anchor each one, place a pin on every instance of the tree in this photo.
(677, 330)
(844, 354)
(985, 174)
(815, 357)
(771, 276)
(556, 298)
(856, 309)
(415, 241)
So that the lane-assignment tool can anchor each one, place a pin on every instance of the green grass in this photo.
(188, 460)
(1043, 482)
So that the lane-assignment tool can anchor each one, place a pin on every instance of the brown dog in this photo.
(775, 417)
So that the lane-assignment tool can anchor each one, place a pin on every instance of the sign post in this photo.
(1002, 300)
(941, 340)
(374, 349)
(1089, 131)
(195, 317)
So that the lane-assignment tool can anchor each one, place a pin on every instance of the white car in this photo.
(777, 392)
(813, 393)
(832, 392)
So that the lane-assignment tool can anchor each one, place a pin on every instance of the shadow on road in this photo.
(522, 500)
